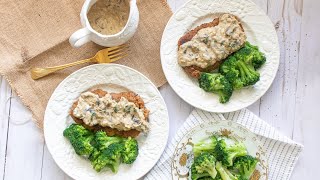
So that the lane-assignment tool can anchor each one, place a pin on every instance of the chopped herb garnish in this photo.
(136, 120)
(127, 109)
(185, 51)
(93, 114)
(206, 40)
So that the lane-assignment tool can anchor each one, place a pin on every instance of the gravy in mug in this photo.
(109, 16)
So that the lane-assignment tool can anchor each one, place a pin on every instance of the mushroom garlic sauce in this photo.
(213, 44)
(122, 115)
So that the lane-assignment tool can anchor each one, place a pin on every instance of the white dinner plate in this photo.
(183, 155)
(259, 30)
(112, 78)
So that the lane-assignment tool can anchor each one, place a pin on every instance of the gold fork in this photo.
(107, 55)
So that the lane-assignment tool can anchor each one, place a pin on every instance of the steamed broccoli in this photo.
(103, 141)
(206, 145)
(253, 55)
(80, 138)
(216, 83)
(76, 130)
(203, 166)
(102, 150)
(225, 173)
(109, 157)
(245, 165)
(83, 146)
(240, 68)
(238, 72)
(230, 70)
(130, 151)
(218, 177)
(227, 152)
(205, 178)
(95, 153)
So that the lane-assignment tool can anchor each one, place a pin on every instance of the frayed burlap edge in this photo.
(38, 124)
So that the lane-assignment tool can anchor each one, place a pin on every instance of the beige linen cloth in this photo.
(35, 33)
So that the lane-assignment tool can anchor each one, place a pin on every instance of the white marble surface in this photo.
(290, 104)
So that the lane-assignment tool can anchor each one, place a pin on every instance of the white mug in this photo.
(87, 33)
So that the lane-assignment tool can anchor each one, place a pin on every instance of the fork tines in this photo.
(118, 52)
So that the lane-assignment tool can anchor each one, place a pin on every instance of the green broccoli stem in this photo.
(224, 172)
(247, 68)
(199, 176)
(248, 74)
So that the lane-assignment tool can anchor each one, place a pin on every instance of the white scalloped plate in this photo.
(259, 30)
(183, 156)
(112, 78)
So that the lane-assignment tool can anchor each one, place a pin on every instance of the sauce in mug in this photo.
(109, 16)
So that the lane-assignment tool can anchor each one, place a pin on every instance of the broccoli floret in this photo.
(253, 55)
(83, 146)
(76, 130)
(100, 157)
(226, 153)
(218, 177)
(93, 156)
(195, 176)
(80, 138)
(225, 173)
(203, 166)
(103, 141)
(109, 157)
(229, 68)
(216, 83)
(245, 165)
(240, 68)
(205, 178)
(239, 73)
(206, 145)
(248, 75)
(130, 151)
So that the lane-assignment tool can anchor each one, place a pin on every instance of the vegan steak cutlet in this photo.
(123, 114)
(204, 48)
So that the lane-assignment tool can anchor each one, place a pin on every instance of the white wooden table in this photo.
(290, 105)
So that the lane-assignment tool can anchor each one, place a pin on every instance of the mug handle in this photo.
(80, 37)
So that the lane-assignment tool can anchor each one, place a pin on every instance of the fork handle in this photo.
(37, 73)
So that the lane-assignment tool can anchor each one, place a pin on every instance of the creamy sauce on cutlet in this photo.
(105, 111)
(213, 44)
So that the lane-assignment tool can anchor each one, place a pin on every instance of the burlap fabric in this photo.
(35, 34)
